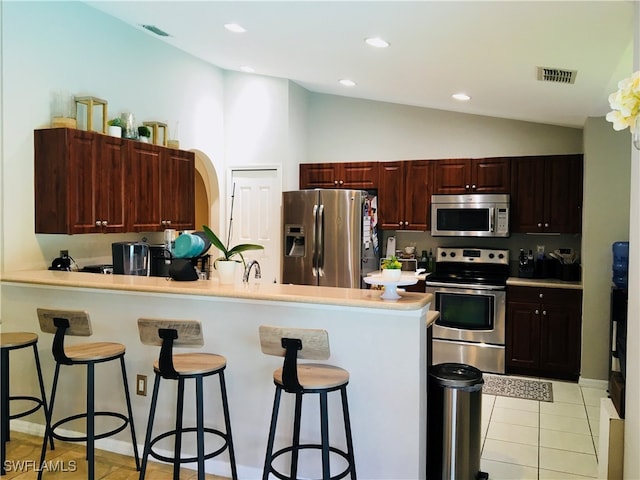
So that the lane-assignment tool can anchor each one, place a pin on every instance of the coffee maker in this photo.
(131, 258)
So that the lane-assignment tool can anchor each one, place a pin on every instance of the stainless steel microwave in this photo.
(475, 215)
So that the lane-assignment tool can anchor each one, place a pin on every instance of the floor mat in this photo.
(517, 388)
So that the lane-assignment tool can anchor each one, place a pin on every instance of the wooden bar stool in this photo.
(181, 366)
(15, 341)
(301, 379)
(77, 323)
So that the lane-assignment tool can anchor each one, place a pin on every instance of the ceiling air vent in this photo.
(557, 75)
(156, 30)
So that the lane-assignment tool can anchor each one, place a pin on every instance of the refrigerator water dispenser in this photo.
(294, 240)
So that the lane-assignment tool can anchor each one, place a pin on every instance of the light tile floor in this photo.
(532, 440)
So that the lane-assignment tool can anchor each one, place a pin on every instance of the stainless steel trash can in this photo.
(454, 422)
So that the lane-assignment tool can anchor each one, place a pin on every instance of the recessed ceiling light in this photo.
(247, 69)
(234, 27)
(377, 42)
(347, 83)
(463, 97)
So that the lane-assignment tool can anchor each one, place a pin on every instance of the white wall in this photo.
(49, 46)
(632, 401)
(347, 129)
(607, 168)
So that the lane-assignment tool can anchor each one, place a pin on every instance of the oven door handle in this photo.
(464, 285)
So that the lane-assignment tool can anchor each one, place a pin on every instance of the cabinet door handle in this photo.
(168, 222)
(400, 223)
(544, 312)
(541, 295)
(105, 223)
(539, 225)
(98, 223)
(341, 182)
(537, 312)
(406, 224)
(546, 225)
(466, 187)
(335, 182)
(473, 187)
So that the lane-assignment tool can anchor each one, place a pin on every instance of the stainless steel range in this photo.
(469, 286)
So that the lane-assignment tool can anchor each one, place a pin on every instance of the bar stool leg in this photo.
(227, 424)
(295, 447)
(47, 413)
(130, 413)
(347, 430)
(152, 414)
(324, 434)
(272, 434)
(178, 436)
(48, 431)
(200, 427)
(90, 421)
(4, 409)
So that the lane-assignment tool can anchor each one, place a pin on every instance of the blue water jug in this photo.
(620, 264)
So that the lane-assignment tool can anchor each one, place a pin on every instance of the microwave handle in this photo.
(492, 219)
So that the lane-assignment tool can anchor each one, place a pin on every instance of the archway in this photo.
(207, 192)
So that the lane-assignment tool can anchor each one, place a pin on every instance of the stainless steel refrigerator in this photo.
(330, 237)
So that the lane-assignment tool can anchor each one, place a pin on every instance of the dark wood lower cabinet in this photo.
(544, 332)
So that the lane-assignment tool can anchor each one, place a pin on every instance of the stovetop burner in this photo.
(471, 266)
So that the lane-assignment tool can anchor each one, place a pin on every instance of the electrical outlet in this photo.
(141, 385)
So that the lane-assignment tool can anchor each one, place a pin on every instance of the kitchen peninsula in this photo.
(383, 344)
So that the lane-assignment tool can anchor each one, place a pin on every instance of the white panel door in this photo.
(256, 218)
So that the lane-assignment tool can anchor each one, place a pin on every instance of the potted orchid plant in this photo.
(226, 263)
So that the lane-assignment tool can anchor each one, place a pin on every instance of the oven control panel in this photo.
(472, 255)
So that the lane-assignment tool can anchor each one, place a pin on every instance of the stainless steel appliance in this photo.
(469, 286)
(477, 215)
(330, 237)
(131, 258)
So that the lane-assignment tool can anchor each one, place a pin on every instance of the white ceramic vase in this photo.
(226, 271)
(391, 274)
(114, 131)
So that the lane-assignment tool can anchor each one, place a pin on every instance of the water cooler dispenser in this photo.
(620, 264)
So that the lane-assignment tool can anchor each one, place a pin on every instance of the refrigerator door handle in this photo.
(314, 248)
(320, 242)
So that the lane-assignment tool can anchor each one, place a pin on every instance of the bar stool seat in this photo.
(181, 366)
(195, 363)
(76, 323)
(14, 341)
(314, 376)
(301, 379)
(94, 352)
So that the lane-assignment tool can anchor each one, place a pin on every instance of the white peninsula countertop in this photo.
(346, 297)
(385, 346)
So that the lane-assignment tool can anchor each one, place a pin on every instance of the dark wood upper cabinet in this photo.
(546, 194)
(79, 182)
(357, 175)
(404, 195)
(477, 175)
(162, 188)
(86, 182)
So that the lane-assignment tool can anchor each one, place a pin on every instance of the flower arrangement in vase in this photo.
(391, 269)
(625, 104)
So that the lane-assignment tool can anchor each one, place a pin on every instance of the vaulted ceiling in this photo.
(490, 50)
